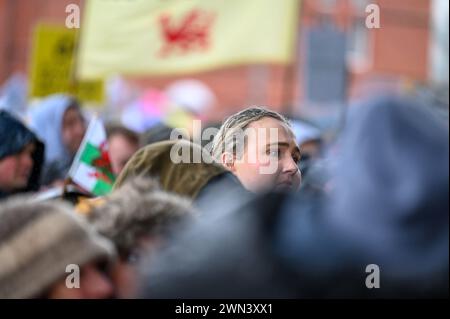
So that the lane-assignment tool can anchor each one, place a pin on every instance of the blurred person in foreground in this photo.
(21, 157)
(122, 144)
(388, 211)
(138, 218)
(41, 244)
(259, 147)
(59, 123)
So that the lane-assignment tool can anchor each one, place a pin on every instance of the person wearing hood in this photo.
(21, 157)
(59, 122)
(200, 181)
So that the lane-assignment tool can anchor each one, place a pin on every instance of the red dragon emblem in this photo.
(103, 164)
(192, 32)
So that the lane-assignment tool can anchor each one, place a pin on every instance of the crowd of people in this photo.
(257, 213)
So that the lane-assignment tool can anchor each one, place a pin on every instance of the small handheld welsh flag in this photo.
(91, 169)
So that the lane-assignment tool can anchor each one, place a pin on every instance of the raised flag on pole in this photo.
(151, 37)
(91, 169)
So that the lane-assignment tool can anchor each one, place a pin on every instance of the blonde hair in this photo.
(225, 140)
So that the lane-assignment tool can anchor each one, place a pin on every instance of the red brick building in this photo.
(397, 51)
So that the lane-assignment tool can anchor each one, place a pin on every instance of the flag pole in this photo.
(67, 182)
(82, 145)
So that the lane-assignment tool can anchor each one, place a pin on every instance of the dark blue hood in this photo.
(14, 136)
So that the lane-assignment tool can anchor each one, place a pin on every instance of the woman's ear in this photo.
(227, 160)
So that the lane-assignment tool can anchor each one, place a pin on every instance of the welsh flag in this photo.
(91, 169)
(172, 37)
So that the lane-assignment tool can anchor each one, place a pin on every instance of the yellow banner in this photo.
(140, 37)
(52, 63)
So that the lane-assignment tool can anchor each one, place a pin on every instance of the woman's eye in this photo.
(274, 153)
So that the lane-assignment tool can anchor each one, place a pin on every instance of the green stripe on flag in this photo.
(90, 153)
(101, 188)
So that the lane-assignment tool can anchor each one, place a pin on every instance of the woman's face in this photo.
(73, 128)
(270, 158)
(15, 170)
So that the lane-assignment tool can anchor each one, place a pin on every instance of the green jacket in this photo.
(185, 179)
